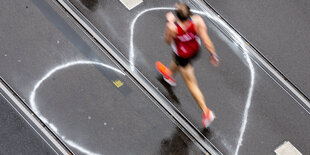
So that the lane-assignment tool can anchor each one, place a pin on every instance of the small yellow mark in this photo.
(118, 83)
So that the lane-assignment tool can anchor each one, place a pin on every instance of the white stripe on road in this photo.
(130, 4)
(287, 148)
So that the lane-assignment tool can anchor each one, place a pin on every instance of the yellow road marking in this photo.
(118, 83)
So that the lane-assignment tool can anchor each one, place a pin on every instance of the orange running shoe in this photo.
(207, 118)
(165, 71)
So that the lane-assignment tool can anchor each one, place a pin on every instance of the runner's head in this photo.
(182, 11)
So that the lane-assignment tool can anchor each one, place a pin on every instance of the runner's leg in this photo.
(173, 68)
(188, 75)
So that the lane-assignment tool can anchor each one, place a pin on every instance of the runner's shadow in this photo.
(207, 133)
(90, 4)
(180, 144)
(171, 95)
(177, 144)
(211, 136)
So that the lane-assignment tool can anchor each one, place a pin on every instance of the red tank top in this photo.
(187, 43)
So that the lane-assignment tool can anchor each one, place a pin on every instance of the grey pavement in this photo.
(17, 136)
(76, 89)
(96, 109)
(226, 88)
(278, 29)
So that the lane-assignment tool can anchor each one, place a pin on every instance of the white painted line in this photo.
(246, 57)
(244, 45)
(287, 148)
(137, 75)
(48, 75)
(231, 32)
(34, 120)
(130, 4)
(54, 70)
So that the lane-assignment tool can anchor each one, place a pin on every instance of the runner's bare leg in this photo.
(173, 68)
(188, 75)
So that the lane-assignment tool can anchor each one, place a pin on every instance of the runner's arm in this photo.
(170, 17)
(169, 32)
(203, 34)
(167, 35)
(169, 27)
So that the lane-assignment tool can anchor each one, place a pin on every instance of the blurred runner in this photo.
(182, 34)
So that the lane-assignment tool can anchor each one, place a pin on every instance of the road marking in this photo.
(130, 4)
(245, 56)
(180, 120)
(287, 148)
(264, 63)
(34, 106)
(118, 83)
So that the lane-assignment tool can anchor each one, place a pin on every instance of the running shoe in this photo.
(207, 118)
(170, 81)
(165, 71)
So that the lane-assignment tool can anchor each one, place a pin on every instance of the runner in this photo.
(182, 34)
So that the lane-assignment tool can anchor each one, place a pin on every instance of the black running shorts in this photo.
(179, 61)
